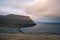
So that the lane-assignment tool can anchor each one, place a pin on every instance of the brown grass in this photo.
(29, 36)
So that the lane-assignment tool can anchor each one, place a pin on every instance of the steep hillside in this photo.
(13, 21)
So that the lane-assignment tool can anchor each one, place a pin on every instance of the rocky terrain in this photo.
(13, 21)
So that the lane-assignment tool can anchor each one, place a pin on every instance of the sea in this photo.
(39, 27)
(44, 27)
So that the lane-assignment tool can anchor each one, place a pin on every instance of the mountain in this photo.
(14, 21)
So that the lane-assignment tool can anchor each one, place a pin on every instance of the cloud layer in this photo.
(12, 7)
(45, 8)
(31, 7)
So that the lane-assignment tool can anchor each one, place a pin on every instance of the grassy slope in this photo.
(29, 36)
(14, 21)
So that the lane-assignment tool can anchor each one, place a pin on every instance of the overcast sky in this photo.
(33, 8)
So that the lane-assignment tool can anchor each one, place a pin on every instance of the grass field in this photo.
(29, 36)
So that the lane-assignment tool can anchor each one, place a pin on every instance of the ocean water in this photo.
(40, 27)
(44, 27)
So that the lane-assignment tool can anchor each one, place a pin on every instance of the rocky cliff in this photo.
(13, 21)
